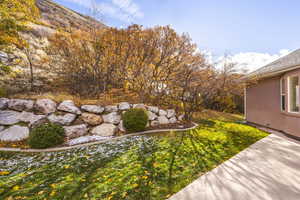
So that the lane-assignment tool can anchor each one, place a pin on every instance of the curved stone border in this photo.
(93, 143)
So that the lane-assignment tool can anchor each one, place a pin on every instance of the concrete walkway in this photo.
(267, 170)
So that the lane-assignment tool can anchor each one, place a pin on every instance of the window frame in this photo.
(283, 92)
(289, 94)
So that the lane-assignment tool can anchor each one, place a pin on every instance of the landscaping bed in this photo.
(79, 124)
(138, 167)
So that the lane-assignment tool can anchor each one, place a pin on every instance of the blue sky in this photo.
(256, 31)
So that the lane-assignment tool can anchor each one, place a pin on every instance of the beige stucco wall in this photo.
(263, 106)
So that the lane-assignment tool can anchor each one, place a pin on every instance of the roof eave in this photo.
(270, 74)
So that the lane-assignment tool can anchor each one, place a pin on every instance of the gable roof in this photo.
(281, 65)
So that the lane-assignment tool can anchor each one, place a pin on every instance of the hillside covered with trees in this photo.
(43, 53)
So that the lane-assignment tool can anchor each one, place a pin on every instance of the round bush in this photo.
(135, 120)
(46, 135)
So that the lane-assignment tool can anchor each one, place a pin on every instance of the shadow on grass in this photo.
(140, 167)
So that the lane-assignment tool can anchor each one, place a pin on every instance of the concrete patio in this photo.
(267, 170)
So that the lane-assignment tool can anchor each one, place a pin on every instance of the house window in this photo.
(282, 94)
(293, 89)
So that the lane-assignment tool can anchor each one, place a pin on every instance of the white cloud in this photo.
(246, 61)
(129, 7)
(85, 3)
(123, 10)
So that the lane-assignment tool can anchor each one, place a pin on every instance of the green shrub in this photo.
(46, 135)
(135, 120)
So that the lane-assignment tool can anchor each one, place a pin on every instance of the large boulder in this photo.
(181, 117)
(173, 120)
(30, 117)
(93, 109)
(20, 104)
(86, 139)
(105, 130)
(153, 109)
(111, 109)
(76, 131)
(121, 126)
(112, 118)
(8, 117)
(66, 119)
(45, 106)
(154, 123)
(91, 119)
(162, 112)
(69, 106)
(3, 103)
(14, 133)
(163, 120)
(171, 113)
(124, 106)
(151, 115)
(141, 106)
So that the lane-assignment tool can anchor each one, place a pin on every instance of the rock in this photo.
(181, 117)
(20, 104)
(8, 117)
(121, 126)
(3, 103)
(153, 109)
(162, 112)
(142, 106)
(38, 123)
(104, 130)
(91, 119)
(45, 106)
(75, 131)
(86, 139)
(66, 119)
(171, 113)
(14, 133)
(1, 128)
(69, 106)
(154, 123)
(163, 120)
(30, 117)
(112, 118)
(4, 57)
(173, 120)
(124, 106)
(93, 109)
(111, 108)
(151, 115)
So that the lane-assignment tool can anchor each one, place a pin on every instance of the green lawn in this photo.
(141, 167)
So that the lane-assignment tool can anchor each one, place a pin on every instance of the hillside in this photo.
(39, 19)
(58, 16)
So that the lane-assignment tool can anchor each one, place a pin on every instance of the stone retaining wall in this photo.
(86, 123)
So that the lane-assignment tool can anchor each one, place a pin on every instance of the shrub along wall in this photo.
(85, 123)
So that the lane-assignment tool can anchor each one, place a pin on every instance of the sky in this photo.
(251, 32)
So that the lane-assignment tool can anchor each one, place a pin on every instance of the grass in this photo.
(143, 167)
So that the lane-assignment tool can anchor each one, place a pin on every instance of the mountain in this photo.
(58, 16)
(52, 17)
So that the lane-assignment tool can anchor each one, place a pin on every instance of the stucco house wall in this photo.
(263, 105)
